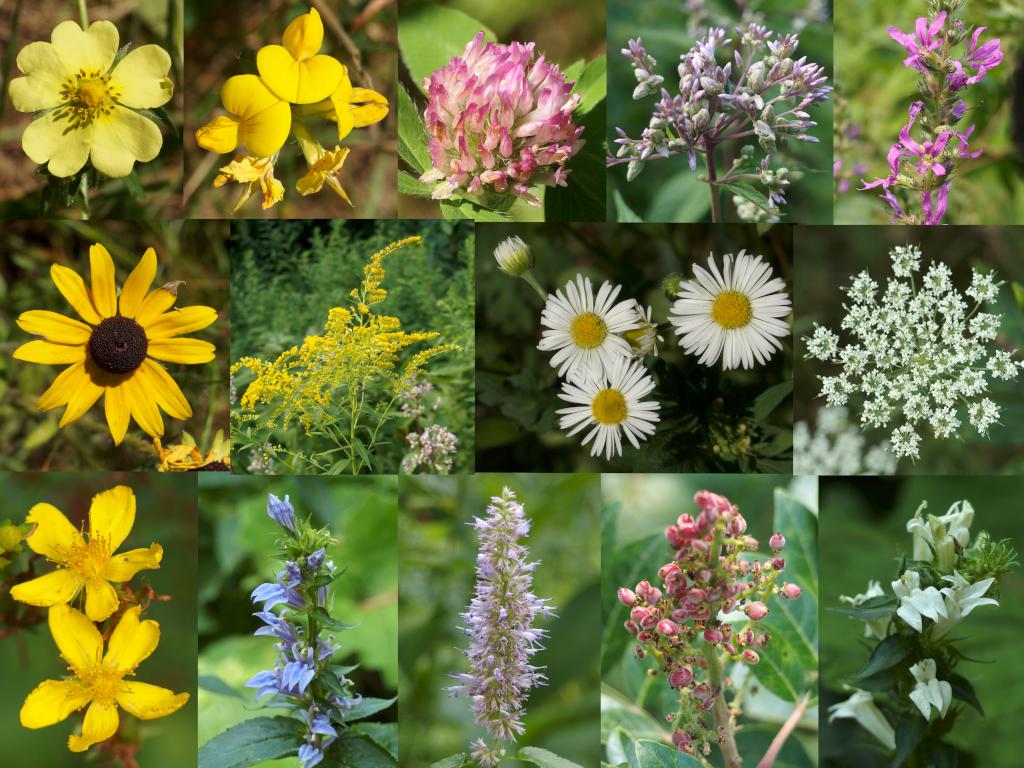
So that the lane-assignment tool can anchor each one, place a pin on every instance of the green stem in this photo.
(709, 158)
(724, 731)
(352, 433)
(529, 278)
(83, 13)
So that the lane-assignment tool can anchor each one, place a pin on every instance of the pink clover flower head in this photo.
(499, 120)
(925, 39)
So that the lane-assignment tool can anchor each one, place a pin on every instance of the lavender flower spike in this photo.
(499, 622)
(281, 512)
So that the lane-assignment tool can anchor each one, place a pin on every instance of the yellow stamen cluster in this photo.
(731, 310)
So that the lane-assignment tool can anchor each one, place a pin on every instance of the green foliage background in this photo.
(879, 91)
(192, 251)
(236, 553)
(287, 275)
(668, 190)
(863, 535)
(29, 657)
(438, 553)
(830, 257)
(517, 389)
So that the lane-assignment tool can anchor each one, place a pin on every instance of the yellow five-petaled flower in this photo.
(99, 680)
(84, 561)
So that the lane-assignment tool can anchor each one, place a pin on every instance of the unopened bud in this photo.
(671, 285)
(713, 635)
(790, 591)
(514, 257)
(680, 677)
(777, 542)
(682, 741)
(750, 656)
(627, 597)
(666, 569)
(757, 611)
(667, 627)
(737, 525)
(639, 651)
(631, 626)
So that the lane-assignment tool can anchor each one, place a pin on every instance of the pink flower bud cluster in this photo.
(499, 120)
(676, 621)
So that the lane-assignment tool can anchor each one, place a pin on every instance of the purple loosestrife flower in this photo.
(499, 120)
(980, 59)
(925, 40)
(499, 623)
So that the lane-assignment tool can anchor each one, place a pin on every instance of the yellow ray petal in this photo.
(52, 701)
(100, 599)
(123, 567)
(87, 392)
(148, 702)
(77, 638)
(72, 287)
(131, 642)
(116, 409)
(143, 406)
(137, 285)
(45, 75)
(141, 78)
(220, 135)
(104, 288)
(54, 327)
(156, 303)
(63, 387)
(54, 536)
(165, 390)
(179, 321)
(92, 49)
(112, 515)
(122, 138)
(181, 350)
(60, 586)
(48, 353)
(299, 82)
(101, 721)
(50, 139)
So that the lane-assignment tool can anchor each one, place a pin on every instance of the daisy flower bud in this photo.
(514, 257)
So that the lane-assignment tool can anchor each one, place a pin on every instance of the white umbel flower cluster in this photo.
(837, 447)
(919, 353)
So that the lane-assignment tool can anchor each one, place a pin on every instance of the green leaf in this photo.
(544, 759)
(627, 566)
(134, 186)
(619, 712)
(964, 691)
(591, 85)
(770, 399)
(454, 761)
(214, 684)
(623, 213)
(384, 735)
(873, 608)
(325, 620)
(909, 731)
(454, 209)
(412, 135)
(652, 755)
(887, 654)
(367, 707)
(252, 742)
(430, 35)
(410, 185)
(355, 749)
(583, 197)
(752, 195)
(621, 748)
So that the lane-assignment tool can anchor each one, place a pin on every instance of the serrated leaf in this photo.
(384, 735)
(544, 759)
(887, 654)
(252, 742)
(430, 35)
(214, 684)
(652, 755)
(356, 750)
(367, 707)
(325, 620)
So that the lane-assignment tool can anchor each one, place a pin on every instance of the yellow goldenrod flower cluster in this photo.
(87, 564)
(296, 84)
(355, 367)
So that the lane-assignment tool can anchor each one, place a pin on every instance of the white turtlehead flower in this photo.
(735, 315)
(836, 447)
(861, 707)
(936, 539)
(513, 256)
(612, 406)
(872, 627)
(930, 693)
(960, 599)
(918, 354)
(584, 332)
(917, 604)
(644, 339)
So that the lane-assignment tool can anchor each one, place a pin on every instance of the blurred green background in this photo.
(190, 251)
(638, 508)
(287, 275)
(830, 257)
(438, 554)
(668, 190)
(879, 91)
(517, 389)
(221, 40)
(237, 553)
(165, 514)
(154, 188)
(863, 536)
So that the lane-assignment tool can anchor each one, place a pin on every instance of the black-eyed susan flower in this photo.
(186, 456)
(86, 561)
(115, 352)
(89, 100)
(98, 679)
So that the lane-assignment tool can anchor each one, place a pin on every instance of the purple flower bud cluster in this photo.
(302, 677)
(499, 120)
(921, 171)
(758, 93)
(499, 622)
(433, 450)
(414, 399)
(706, 611)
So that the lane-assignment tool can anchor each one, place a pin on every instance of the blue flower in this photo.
(309, 756)
(266, 682)
(281, 512)
(316, 560)
(276, 626)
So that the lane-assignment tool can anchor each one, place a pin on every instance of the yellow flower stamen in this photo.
(731, 310)
(609, 407)
(588, 330)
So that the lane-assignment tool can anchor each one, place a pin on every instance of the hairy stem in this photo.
(709, 157)
(723, 719)
(787, 728)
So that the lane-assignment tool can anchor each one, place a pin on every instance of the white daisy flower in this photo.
(612, 406)
(734, 315)
(644, 339)
(583, 331)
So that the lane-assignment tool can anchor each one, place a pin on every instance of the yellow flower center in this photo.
(87, 96)
(588, 330)
(91, 558)
(640, 339)
(609, 407)
(731, 310)
(101, 682)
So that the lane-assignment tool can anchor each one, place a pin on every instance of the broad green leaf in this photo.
(964, 691)
(583, 197)
(214, 684)
(454, 761)
(410, 185)
(384, 735)
(623, 213)
(591, 85)
(619, 712)
(770, 399)
(751, 195)
(412, 135)
(252, 742)
(621, 748)
(355, 749)
(628, 565)
(887, 654)
(430, 35)
(367, 707)
(652, 755)
(909, 731)
(455, 209)
(544, 759)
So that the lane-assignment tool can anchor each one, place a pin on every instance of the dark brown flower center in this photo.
(118, 345)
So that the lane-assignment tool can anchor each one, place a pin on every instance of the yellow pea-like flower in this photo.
(355, 107)
(259, 120)
(296, 71)
(89, 106)
(86, 561)
(255, 174)
(98, 679)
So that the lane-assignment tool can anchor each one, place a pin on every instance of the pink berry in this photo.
(790, 591)
(757, 610)
(680, 677)
(713, 635)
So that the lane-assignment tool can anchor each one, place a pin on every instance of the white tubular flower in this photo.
(917, 603)
(959, 600)
(861, 707)
(937, 538)
(872, 627)
(930, 693)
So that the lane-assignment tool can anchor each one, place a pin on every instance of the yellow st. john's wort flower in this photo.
(296, 71)
(99, 679)
(88, 102)
(114, 352)
(186, 456)
(86, 561)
